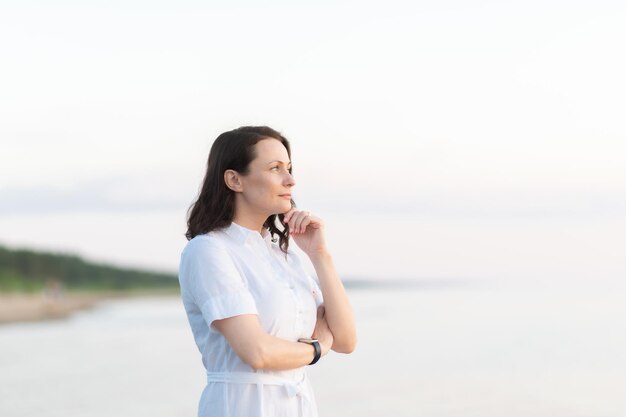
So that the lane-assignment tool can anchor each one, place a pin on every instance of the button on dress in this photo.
(233, 271)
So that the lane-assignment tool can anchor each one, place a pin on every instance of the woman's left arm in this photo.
(309, 233)
(339, 315)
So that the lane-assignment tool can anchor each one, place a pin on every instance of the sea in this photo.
(426, 348)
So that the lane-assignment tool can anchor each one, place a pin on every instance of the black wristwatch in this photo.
(316, 346)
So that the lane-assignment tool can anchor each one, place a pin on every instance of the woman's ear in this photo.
(232, 180)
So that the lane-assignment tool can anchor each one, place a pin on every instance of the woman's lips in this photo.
(285, 196)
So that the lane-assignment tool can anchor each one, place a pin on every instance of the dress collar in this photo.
(242, 234)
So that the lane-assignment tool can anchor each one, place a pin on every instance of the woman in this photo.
(256, 315)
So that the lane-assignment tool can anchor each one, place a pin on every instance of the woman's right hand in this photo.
(322, 331)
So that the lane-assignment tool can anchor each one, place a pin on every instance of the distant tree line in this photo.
(26, 270)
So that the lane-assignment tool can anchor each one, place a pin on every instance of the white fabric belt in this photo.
(293, 388)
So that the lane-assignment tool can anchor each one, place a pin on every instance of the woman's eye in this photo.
(274, 168)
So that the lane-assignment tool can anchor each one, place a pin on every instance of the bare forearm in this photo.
(338, 309)
(261, 350)
(277, 354)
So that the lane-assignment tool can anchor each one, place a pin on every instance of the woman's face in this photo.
(267, 187)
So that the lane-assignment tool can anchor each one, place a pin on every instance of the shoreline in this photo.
(34, 307)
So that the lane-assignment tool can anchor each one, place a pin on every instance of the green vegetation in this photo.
(29, 271)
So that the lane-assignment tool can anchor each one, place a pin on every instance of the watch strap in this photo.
(316, 346)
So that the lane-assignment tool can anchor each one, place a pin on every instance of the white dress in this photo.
(235, 271)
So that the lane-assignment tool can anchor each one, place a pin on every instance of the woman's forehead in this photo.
(269, 150)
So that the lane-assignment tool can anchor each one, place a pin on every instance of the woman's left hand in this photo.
(307, 230)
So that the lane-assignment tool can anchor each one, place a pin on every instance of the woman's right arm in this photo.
(260, 350)
(209, 278)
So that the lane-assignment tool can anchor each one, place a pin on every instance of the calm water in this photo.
(485, 350)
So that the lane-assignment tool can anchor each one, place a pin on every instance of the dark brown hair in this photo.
(215, 206)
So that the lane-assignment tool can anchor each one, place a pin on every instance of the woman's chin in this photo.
(285, 207)
(281, 210)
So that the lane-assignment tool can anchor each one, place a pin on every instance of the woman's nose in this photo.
(290, 179)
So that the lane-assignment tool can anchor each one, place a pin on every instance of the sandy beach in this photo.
(24, 307)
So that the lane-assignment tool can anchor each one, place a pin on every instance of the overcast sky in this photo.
(464, 119)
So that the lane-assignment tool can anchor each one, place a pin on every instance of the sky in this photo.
(459, 139)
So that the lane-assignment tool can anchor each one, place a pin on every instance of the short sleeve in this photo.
(208, 276)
